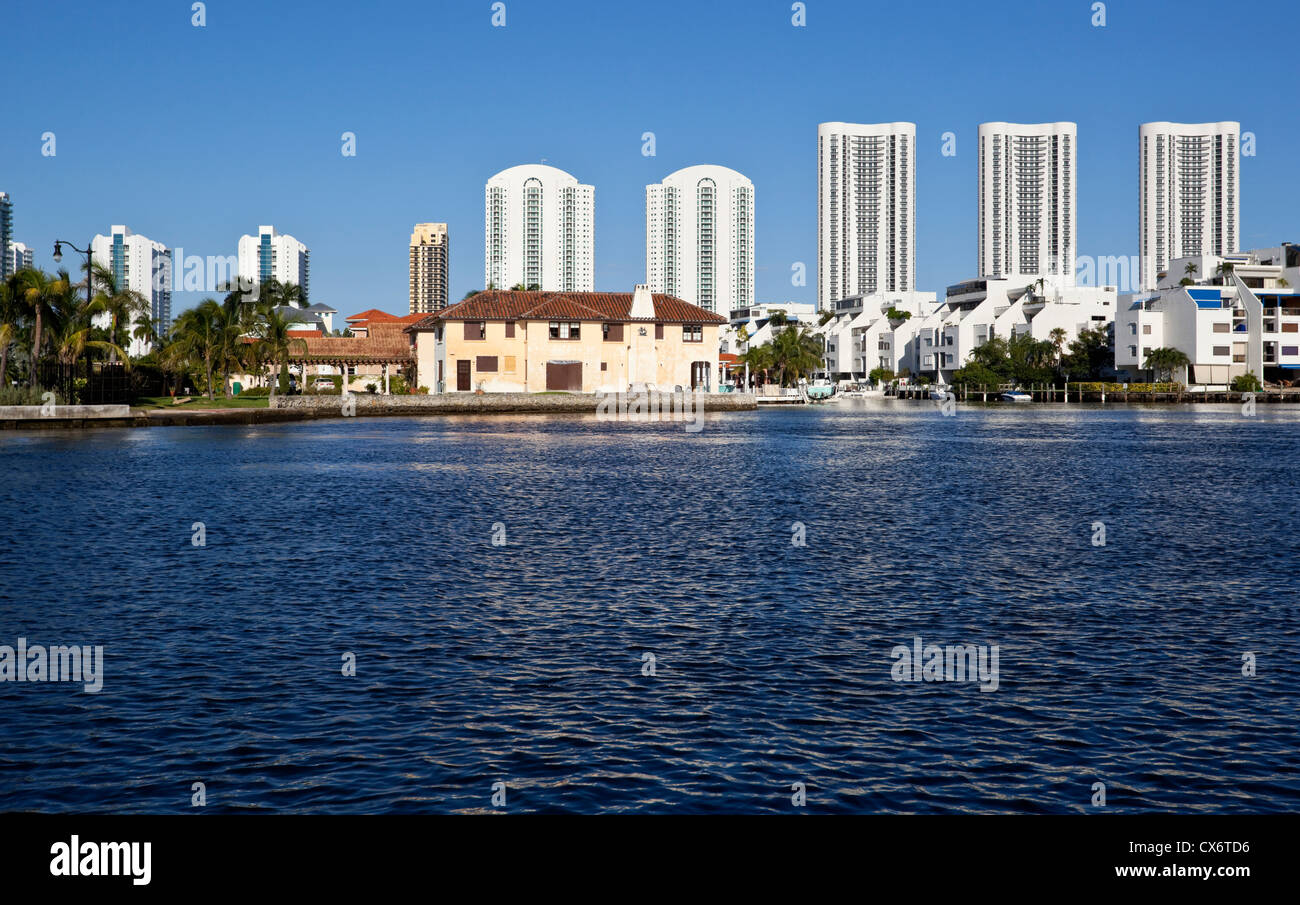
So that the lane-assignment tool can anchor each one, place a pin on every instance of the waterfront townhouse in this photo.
(975, 311)
(863, 336)
(1242, 317)
(529, 342)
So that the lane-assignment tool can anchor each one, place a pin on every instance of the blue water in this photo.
(523, 663)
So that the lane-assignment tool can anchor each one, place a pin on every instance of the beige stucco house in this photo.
(530, 342)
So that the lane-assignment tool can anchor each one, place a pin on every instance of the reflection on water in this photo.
(523, 662)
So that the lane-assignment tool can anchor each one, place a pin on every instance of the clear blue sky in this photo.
(194, 136)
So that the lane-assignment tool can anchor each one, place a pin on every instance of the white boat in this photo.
(940, 394)
(1016, 396)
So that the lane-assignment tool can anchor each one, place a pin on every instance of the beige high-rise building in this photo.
(429, 256)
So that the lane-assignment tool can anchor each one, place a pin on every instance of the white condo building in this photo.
(20, 257)
(1027, 193)
(271, 255)
(699, 238)
(1188, 193)
(540, 230)
(866, 209)
(1239, 315)
(141, 265)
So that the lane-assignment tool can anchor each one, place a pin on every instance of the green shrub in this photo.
(1247, 383)
(256, 391)
(25, 396)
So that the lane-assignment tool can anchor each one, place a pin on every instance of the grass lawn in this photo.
(201, 402)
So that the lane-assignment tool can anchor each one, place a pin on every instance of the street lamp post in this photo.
(58, 256)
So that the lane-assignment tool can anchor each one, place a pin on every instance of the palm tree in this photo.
(198, 336)
(1058, 336)
(1191, 268)
(144, 330)
(1165, 361)
(9, 316)
(1224, 268)
(275, 341)
(796, 352)
(120, 304)
(40, 296)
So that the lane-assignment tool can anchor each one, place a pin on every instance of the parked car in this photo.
(323, 383)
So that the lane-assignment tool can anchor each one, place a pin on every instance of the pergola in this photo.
(385, 348)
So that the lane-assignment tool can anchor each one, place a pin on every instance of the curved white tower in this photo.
(1027, 186)
(866, 209)
(539, 230)
(699, 237)
(1188, 194)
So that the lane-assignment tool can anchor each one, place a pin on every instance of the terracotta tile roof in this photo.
(386, 342)
(589, 306)
(304, 333)
(372, 314)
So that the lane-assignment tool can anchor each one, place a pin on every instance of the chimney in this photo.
(643, 305)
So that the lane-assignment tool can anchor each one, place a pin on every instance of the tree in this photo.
(825, 316)
(40, 295)
(1190, 268)
(1224, 268)
(9, 316)
(1058, 336)
(777, 319)
(880, 375)
(119, 304)
(1090, 354)
(897, 317)
(1247, 383)
(145, 331)
(276, 343)
(197, 337)
(1165, 361)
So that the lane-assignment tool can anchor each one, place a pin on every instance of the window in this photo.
(1133, 351)
(566, 330)
(692, 333)
(510, 329)
(485, 363)
(510, 364)
(604, 366)
(929, 361)
(1223, 328)
(659, 331)
(1133, 329)
(474, 330)
(1291, 327)
(612, 333)
(1291, 350)
(1222, 350)
(1146, 329)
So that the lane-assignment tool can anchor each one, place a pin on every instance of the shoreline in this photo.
(289, 409)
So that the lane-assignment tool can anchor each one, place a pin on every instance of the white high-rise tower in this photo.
(866, 209)
(1027, 192)
(540, 230)
(141, 265)
(699, 238)
(1188, 193)
(271, 255)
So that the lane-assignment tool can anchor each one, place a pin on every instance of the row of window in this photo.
(571, 330)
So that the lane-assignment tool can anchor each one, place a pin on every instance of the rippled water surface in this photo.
(524, 663)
